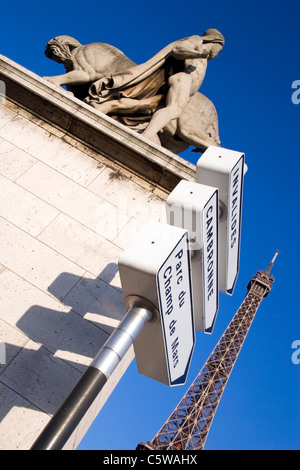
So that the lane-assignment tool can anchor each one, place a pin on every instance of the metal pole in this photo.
(65, 420)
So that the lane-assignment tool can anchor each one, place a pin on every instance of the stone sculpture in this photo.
(158, 98)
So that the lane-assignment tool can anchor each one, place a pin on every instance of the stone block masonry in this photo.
(75, 189)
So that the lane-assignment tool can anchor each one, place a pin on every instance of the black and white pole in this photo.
(65, 420)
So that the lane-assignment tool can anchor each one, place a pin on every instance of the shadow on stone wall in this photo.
(61, 342)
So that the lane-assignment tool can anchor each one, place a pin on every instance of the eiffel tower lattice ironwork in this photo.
(188, 426)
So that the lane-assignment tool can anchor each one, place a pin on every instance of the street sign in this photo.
(156, 268)
(194, 207)
(224, 169)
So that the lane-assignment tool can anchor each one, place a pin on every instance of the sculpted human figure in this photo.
(195, 51)
(84, 64)
(162, 91)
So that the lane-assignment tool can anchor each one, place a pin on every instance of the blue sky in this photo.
(250, 84)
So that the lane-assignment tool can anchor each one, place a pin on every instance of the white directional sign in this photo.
(194, 207)
(175, 302)
(224, 169)
(210, 262)
(234, 223)
(156, 268)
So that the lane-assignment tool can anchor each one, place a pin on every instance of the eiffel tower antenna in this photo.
(188, 426)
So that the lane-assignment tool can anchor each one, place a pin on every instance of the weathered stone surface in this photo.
(107, 140)
(159, 97)
(64, 221)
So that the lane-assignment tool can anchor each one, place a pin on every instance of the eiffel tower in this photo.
(188, 426)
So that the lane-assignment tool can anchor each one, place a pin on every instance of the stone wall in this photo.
(67, 210)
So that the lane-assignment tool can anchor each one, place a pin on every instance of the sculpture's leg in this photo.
(177, 98)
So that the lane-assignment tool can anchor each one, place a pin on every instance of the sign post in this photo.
(155, 276)
(156, 267)
(164, 286)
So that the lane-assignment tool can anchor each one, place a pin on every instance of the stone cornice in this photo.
(97, 131)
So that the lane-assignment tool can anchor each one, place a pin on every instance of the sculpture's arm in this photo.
(75, 77)
(190, 48)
